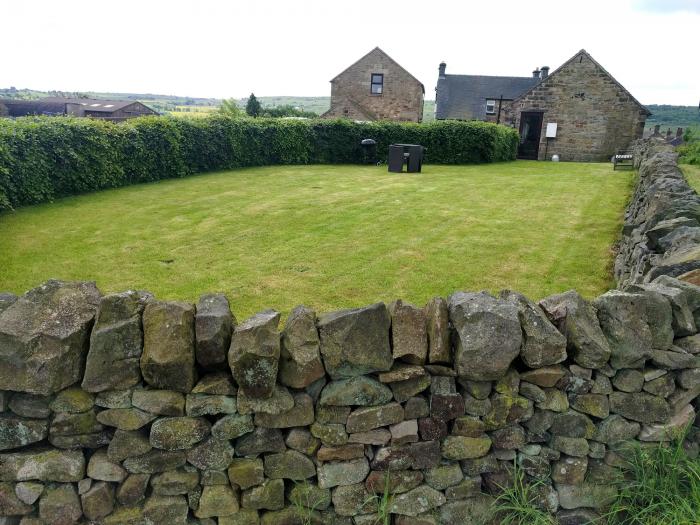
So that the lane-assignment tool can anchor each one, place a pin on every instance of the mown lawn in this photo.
(330, 236)
(692, 173)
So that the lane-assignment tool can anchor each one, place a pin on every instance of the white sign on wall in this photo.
(551, 130)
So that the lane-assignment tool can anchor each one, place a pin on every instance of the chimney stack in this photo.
(679, 133)
(441, 70)
(657, 127)
(668, 134)
(544, 72)
(536, 73)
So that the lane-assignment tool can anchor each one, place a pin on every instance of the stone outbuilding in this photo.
(376, 87)
(578, 112)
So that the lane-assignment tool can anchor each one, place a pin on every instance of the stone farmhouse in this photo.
(578, 112)
(115, 110)
(376, 87)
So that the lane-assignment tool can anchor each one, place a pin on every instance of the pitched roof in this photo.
(93, 104)
(597, 64)
(19, 108)
(377, 49)
(464, 97)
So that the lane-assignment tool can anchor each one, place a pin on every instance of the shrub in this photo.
(690, 153)
(42, 158)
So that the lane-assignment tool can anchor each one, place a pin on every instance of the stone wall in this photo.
(661, 233)
(351, 97)
(124, 409)
(596, 116)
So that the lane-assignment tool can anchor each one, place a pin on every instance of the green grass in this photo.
(330, 236)
(519, 503)
(692, 173)
(661, 486)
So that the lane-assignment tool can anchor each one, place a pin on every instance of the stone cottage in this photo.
(376, 87)
(579, 111)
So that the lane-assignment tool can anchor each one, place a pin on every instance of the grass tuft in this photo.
(661, 486)
(517, 504)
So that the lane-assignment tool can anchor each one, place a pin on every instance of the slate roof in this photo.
(463, 97)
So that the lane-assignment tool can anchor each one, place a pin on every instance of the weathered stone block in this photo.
(577, 320)
(289, 464)
(216, 501)
(254, 354)
(623, 319)
(98, 502)
(640, 406)
(360, 390)
(213, 324)
(160, 402)
(116, 343)
(356, 342)
(300, 415)
(368, 418)
(178, 433)
(167, 361)
(342, 473)
(17, 431)
(60, 505)
(44, 337)
(62, 466)
(300, 358)
(543, 344)
(409, 332)
(488, 335)
(438, 326)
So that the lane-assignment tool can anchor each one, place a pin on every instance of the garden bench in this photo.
(623, 158)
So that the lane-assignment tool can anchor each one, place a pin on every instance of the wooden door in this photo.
(530, 131)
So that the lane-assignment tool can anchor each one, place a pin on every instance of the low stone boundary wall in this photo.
(123, 409)
(661, 234)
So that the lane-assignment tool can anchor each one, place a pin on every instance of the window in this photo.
(377, 83)
(490, 107)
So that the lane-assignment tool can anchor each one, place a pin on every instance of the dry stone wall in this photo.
(124, 409)
(661, 234)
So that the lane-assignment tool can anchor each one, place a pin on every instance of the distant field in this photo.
(330, 236)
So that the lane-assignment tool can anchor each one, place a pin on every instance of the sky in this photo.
(222, 49)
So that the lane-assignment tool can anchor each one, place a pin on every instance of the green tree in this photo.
(231, 108)
(253, 106)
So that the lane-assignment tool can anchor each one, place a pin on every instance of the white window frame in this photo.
(491, 102)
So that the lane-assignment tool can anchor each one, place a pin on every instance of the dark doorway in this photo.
(530, 129)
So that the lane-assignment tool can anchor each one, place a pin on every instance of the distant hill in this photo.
(673, 117)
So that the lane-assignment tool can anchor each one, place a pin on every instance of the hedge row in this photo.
(42, 158)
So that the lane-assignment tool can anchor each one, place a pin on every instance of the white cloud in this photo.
(278, 47)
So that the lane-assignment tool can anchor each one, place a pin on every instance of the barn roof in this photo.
(93, 104)
(19, 108)
(464, 96)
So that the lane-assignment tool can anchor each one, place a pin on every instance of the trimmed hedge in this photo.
(42, 158)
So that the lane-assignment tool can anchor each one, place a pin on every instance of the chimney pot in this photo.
(544, 72)
(441, 69)
(536, 73)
